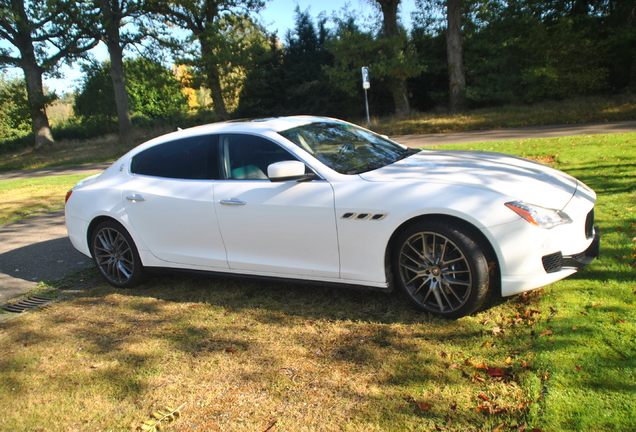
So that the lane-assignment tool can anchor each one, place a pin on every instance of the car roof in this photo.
(274, 124)
(256, 126)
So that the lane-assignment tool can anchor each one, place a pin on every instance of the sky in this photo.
(278, 15)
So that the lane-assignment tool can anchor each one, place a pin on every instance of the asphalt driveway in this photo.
(37, 248)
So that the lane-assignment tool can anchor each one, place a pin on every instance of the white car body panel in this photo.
(285, 228)
(183, 211)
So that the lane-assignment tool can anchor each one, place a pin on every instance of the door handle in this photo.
(135, 198)
(233, 202)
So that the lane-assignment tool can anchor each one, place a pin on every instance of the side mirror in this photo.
(288, 171)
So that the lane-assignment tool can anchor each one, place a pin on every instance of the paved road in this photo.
(37, 248)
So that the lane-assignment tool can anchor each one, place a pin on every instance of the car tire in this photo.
(116, 256)
(441, 268)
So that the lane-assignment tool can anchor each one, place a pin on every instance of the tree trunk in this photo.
(115, 51)
(213, 79)
(33, 77)
(391, 31)
(217, 93)
(37, 104)
(456, 76)
(119, 86)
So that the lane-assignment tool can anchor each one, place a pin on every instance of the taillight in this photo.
(68, 195)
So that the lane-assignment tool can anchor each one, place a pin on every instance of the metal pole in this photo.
(366, 101)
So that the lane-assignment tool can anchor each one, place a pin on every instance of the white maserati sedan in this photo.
(321, 200)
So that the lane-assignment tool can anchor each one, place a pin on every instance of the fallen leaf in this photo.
(575, 328)
(497, 330)
(443, 354)
(598, 304)
(622, 321)
(481, 366)
(577, 368)
(583, 313)
(546, 333)
(495, 372)
(484, 398)
(524, 364)
(508, 360)
(477, 378)
(453, 366)
(423, 406)
(498, 428)
(230, 350)
(481, 409)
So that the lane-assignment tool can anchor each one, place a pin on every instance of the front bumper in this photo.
(556, 262)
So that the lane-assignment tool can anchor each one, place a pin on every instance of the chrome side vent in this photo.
(363, 216)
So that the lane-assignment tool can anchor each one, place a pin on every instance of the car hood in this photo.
(517, 178)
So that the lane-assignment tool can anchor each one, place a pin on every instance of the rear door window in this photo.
(193, 158)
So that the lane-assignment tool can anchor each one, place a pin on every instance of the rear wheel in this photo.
(442, 270)
(116, 256)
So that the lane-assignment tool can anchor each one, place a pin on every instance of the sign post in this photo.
(366, 85)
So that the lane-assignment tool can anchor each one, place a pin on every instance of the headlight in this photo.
(539, 216)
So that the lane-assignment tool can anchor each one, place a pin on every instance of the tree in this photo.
(153, 91)
(391, 32)
(104, 20)
(202, 18)
(353, 47)
(264, 84)
(40, 36)
(454, 51)
(307, 89)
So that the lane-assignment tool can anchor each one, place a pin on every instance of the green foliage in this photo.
(153, 91)
(529, 50)
(566, 62)
(15, 120)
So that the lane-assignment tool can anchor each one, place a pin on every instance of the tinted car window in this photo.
(246, 157)
(194, 158)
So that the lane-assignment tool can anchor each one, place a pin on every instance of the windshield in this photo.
(346, 148)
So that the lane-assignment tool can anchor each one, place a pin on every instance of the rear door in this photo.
(170, 201)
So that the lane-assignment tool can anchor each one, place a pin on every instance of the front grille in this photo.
(553, 262)
(589, 225)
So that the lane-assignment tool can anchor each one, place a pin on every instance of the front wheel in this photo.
(116, 256)
(442, 270)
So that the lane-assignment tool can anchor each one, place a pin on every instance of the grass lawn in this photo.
(258, 356)
(23, 198)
